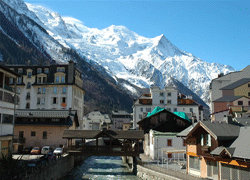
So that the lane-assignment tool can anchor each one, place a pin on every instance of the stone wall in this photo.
(55, 170)
(145, 173)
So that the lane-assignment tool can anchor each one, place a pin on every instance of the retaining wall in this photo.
(145, 173)
(54, 170)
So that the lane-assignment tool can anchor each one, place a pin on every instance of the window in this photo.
(39, 80)
(33, 133)
(148, 109)
(248, 93)
(64, 90)
(191, 109)
(64, 100)
(27, 105)
(11, 81)
(54, 100)
(21, 134)
(169, 94)
(28, 85)
(194, 162)
(39, 70)
(169, 155)
(175, 109)
(7, 118)
(202, 140)
(141, 109)
(43, 101)
(19, 80)
(169, 109)
(55, 90)
(29, 74)
(169, 142)
(161, 101)
(18, 90)
(38, 100)
(161, 94)
(20, 71)
(44, 79)
(39, 90)
(248, 84)
(28, 95)
(184, 142)
(46, 70)
(169, 101)
(208, 140)
(44, 134)
(140, 116)
(57, 79)
(240, 102)
(63, 79)
(44, 90)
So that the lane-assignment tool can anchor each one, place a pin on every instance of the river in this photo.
(101, 167)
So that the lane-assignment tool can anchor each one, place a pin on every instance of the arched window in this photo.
(28, 85)
(27, 105)
(28, 95)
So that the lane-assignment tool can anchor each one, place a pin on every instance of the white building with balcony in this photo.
(7, 109)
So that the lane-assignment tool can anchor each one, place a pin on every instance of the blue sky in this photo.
(215, 31)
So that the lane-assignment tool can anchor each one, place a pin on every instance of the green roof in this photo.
(182, 115)
(155, 111)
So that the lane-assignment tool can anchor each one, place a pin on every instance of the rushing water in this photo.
(101, 167)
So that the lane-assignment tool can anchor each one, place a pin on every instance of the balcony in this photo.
(19, 140)
(8, 88)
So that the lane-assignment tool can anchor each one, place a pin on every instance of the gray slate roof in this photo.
(44, 113)
(242, 144)
(245, 121)
(223, 131)
(236, 84)
(227, 98)
(185, 132)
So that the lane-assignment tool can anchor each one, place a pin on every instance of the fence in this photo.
(168, 171)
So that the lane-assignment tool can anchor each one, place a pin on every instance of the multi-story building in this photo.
(217, 85)
(53, 87)
(95, 119)
(168, 98)
(119, 118)
(7, 108)
(38, 128)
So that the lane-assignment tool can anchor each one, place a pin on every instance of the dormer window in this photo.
(20, 70)
(63, 79)
(46, 70)
(57, 79)
(39, 70)
(28, 85)
(29, 74)
(60, 69)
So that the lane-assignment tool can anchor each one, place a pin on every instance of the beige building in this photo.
(7, 108)
(217, 84)
(38, 128)
(53, 87)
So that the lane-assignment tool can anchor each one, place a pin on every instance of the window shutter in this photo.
(202, 140)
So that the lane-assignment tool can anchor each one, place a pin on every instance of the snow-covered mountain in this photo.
(121, 53)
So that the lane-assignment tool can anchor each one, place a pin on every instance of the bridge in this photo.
(115, 143)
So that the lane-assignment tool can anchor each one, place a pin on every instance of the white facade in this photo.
(168, 99)
(45, 87)
(94, 120)
(156, 141)
(7, 109)
(220, 82)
